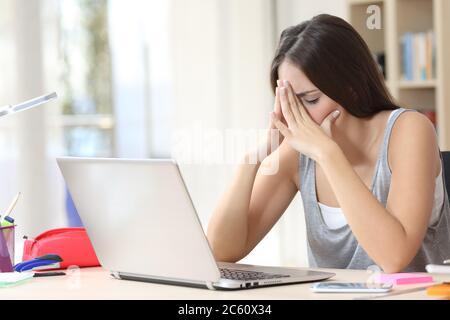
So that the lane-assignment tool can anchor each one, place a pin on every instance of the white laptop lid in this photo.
(140, 218)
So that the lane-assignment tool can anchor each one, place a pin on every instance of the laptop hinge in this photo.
(209, 285)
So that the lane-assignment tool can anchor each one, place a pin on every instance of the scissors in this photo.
(49, 261)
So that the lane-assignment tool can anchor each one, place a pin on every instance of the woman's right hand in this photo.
(274, 138)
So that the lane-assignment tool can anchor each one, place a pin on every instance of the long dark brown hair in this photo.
(335, 58)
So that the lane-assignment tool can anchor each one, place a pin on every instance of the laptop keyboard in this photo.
(233, 274)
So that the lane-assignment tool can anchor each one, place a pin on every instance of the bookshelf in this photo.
(430, 93)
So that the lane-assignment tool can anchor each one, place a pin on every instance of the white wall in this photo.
(291, 12)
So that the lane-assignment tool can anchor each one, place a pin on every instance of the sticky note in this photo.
(403, 278)
(439, 290)
(13, 278)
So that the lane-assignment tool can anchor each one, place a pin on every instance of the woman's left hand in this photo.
(301, 132)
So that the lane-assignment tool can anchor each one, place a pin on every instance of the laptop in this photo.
(143, 226)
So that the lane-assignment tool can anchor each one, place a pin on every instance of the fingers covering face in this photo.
(280, 126)
(286, 109)
(293, 102)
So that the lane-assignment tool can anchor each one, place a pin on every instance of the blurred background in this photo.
(131, 73)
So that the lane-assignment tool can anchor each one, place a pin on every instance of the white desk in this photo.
(96, 283)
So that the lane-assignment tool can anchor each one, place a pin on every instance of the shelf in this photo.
(419, 99)
(412, 16)
(422, 84)
(356, 2)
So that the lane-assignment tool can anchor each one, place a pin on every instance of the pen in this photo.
(11, 208)
(48, 274)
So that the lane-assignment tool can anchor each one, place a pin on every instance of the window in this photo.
(86, 96)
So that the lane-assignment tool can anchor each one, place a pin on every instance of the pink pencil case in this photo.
(71, 244)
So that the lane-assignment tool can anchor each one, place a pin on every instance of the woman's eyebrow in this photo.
(304, 93)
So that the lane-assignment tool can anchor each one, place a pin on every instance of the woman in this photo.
(369, 173)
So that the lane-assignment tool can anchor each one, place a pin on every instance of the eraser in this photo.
(403, 278)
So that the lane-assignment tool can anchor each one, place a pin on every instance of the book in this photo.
(418, 53)
(431, 115)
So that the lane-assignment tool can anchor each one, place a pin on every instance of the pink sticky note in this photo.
(403, 278)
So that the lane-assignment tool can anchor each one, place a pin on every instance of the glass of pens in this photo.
(7, 238)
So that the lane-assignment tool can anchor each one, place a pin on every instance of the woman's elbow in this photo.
(224, 256)
(227, 258)
(222, 253)
(391, 268)
(395, 264)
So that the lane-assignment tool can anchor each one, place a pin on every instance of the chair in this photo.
(446, 168)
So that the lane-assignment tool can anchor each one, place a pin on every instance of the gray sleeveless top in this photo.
(338, 248)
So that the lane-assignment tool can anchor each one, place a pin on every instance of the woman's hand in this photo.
(302, 133)
(278, 113)
(273, 138)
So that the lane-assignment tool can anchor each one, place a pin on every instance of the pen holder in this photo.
(7, 248)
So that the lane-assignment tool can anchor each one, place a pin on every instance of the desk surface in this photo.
(96, 283)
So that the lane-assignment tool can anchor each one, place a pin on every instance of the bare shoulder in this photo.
(413, 126)
(413, 135)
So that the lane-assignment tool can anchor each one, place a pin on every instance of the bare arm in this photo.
(252, 204)
(392, 235)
